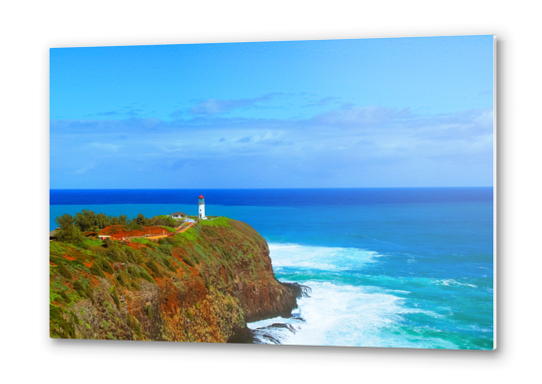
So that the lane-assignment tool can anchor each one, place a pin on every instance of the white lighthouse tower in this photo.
(201, 211)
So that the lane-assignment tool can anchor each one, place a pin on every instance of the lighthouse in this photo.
(201, 211)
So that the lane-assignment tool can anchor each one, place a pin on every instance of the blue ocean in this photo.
(390, 267)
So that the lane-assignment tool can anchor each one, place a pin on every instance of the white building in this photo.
(201, 205)
(178, 215)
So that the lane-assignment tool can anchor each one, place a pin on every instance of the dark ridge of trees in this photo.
(167, 221)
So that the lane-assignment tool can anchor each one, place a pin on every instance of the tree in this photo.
(123, 219)
(141, 220)
(85, 220)
(120, 220)
(64, 221)
(67, 232)
(170, 221)
(102, 220)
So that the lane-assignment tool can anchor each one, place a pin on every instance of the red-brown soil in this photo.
(118, 231)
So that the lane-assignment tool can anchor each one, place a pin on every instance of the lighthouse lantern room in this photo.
(201, 211)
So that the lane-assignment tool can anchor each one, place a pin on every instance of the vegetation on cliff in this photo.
(71, 228)
(201, 285)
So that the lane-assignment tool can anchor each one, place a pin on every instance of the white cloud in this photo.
(107, 147)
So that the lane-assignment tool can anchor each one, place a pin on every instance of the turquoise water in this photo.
(390, 268)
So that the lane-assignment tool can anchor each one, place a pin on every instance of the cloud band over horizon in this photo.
(349, 146)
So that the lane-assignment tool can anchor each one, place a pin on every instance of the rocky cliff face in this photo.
(202, 285)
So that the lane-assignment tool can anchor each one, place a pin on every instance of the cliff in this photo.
(202, 285)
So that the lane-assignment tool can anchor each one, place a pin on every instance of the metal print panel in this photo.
(328, 193)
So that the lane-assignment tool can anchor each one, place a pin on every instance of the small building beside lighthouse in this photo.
(201, 206)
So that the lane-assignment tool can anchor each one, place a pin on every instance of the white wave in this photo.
(340, 314)
(321, 258)
(345, 315)
(451, 282)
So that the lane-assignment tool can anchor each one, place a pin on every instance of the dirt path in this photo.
(186, 228)
(156, 237)
(183, 229)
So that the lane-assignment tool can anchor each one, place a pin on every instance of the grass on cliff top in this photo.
(217, 222)
(168, 228)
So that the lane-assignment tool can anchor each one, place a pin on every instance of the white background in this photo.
(29, 28)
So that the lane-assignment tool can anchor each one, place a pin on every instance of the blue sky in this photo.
(405, 112)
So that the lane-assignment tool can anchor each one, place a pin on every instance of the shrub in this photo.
(96, 269)
(165, 247)
(120, 279)
(226, 254)
(64, 271)
(82, 291)
(154, 268)
(145, 275)
(148, 310)
(133, 255)
(65, 297)
(116, 254)
(116, 298)
(209, 231)
(189, 314)
(74, 318)
(106, 266)
(136, 285)
(137, 328)
(188, 261)
(195, 257)
(169, 265)
(59, 327)
(134, 272)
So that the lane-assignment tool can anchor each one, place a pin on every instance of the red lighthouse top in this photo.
(200, 197)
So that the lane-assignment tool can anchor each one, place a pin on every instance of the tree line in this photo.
(70, 228)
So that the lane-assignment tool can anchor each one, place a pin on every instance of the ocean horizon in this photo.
(387, 267)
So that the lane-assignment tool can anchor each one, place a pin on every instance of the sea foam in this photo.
(321, 258)
(340, 313)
